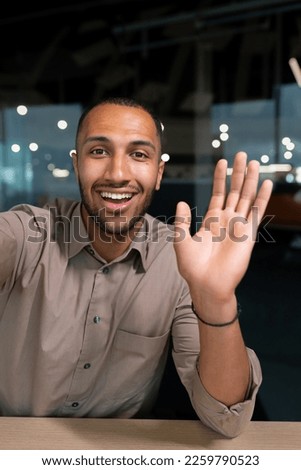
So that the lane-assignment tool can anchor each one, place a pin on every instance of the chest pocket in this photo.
(133, 363)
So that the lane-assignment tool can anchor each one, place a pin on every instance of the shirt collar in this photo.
(79, 237)
(140, 243)
(150, 238)
(147, 235)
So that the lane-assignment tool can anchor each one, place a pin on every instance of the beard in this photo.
(105, 224)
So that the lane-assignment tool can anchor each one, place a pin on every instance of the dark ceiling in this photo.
(70, 51)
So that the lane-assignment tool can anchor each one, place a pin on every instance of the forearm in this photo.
(223, 364)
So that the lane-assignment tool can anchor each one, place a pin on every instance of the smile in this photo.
(116, 196)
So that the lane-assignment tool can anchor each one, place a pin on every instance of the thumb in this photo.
(182, 222)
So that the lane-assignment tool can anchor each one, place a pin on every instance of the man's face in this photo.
(118, 165)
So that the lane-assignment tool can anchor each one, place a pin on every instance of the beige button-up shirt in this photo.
(80, 337)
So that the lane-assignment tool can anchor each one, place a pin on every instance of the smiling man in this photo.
(92, 292)
(118, 167)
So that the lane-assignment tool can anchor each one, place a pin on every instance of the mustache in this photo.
(124, 186)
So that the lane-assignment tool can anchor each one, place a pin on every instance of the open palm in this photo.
(216, 258)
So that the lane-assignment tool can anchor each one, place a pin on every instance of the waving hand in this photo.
(215, 259)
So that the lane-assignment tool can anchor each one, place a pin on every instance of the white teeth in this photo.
(116, 195)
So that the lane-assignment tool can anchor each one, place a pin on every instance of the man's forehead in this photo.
(118, 117)
(112, 108)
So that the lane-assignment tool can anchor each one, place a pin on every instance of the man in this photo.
(92, 292)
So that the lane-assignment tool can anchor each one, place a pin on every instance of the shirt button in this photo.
(87, 365)
(75, 404)
(106, 270)
(96, 319)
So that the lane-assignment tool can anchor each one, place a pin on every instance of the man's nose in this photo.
(118, 168)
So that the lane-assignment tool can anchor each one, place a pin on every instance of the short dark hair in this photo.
(122, 101)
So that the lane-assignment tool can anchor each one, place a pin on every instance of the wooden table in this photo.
(106, 434)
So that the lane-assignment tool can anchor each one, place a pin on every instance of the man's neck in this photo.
(108, 246)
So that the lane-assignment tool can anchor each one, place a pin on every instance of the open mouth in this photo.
(116, 197)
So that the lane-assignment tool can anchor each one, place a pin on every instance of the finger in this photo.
(219, 185)
(182, 222)
(237, 179)
(249, 189)
(260, 204)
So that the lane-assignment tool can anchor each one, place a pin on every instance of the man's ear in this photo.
(160, 174)
(74, 156)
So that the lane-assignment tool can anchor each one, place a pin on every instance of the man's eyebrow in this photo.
(146, 143)
(104, 139)
(97, 138)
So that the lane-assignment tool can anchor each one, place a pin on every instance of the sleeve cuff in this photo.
(229, 421)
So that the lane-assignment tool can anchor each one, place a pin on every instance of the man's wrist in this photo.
(219, 325)
(215, 311)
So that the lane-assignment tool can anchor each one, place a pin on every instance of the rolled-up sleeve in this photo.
(228, 421)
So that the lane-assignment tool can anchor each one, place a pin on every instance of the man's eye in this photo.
(99, 151)
(139, 155)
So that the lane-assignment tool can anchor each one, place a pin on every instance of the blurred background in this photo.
(222, 76)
